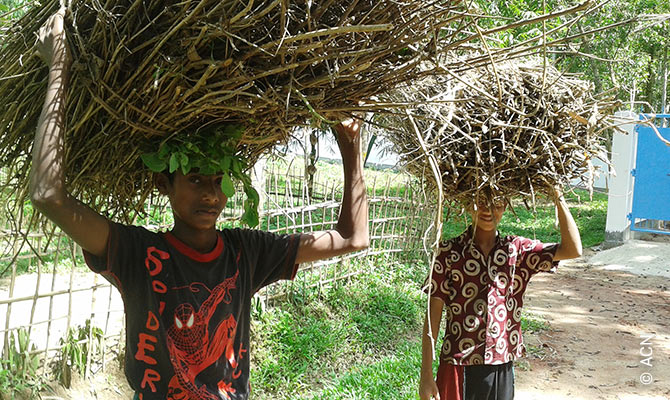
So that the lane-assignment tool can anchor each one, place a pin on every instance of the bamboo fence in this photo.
(46, 288)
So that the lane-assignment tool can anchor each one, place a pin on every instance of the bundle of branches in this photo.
(513, 130)
(145, 70)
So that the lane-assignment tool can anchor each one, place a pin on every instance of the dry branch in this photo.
(146, 70)
(541, 131)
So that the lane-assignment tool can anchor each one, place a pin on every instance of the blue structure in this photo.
(651, 193)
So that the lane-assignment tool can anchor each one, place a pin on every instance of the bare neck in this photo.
(201, 240)
(486, 240)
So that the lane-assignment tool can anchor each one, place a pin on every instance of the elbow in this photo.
(575, 252)
(45, 200)
(569, 250)
(577, 249)
(360, 242)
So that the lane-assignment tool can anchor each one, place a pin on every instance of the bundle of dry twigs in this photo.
(514, 129)
(144, 70)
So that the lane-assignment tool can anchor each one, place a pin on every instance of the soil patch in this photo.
(610, 328)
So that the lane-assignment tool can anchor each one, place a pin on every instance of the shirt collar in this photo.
(192, 253)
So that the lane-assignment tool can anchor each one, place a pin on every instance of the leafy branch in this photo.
(209, 151)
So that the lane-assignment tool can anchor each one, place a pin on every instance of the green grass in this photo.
(392, 377)
(532, 323)
(318, 347)
(27, 263)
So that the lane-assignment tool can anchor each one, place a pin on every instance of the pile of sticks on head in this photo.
(512, 129)
(144, 71)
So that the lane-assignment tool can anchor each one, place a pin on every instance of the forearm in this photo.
(428, 342)
(47, 177)
(47, 170)
(351, 231)
(571, 242)
(352, 223)
(427, 349)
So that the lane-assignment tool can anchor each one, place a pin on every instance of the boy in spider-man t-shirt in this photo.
(186, 292)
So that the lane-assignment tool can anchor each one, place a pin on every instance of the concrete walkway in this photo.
(650, 258)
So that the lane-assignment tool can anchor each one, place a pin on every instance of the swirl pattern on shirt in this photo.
(483, 295)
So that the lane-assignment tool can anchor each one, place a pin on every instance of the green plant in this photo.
(324, 343)
(531, 323)
(19, 367)
(79, 343)
(211, 151)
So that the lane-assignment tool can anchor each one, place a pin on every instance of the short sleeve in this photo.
(535, 255)
(438, 283)
(271, 256)
(124, 248)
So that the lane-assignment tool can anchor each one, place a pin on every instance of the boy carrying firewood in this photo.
(480, 278)
(186, 292)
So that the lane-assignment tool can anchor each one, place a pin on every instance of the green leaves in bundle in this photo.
(210, 151)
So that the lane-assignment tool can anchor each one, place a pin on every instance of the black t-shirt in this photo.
(187, 313)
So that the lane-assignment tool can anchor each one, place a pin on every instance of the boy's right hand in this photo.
(428, 389)
(50, 44)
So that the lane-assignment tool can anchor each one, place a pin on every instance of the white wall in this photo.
(620, 199)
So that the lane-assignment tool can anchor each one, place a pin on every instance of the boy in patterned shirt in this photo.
(480, 278)
(186, 292)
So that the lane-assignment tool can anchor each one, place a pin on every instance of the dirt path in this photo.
(609, 337)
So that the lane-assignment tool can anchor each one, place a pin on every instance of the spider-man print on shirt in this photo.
(187, 313)
(192, 348)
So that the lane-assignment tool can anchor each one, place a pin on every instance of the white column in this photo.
(620, 200)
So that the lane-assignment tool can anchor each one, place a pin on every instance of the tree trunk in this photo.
(311, 161)
(651, 82)
(598, 86)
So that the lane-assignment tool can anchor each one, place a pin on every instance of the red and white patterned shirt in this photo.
(483, 296)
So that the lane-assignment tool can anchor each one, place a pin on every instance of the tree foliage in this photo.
(12, 9)
(631, 55)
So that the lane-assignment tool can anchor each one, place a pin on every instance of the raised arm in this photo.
(47, 183)
(351, 232)
(571, 241)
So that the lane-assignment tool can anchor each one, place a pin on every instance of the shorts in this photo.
(476, 382)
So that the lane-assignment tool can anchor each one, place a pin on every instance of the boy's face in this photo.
(487, 216)
(196, 199)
